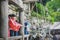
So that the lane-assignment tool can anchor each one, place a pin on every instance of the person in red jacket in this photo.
(13, 25)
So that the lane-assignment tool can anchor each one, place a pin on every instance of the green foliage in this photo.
(52, 7)
(35, 14)
(45, 1)
(56, 16)
(41, 8)
(52, 10)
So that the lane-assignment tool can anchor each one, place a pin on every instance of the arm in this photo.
(11, 24)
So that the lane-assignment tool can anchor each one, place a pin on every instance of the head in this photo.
(12, 16)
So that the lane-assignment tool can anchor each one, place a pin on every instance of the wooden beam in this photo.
(15, 37)
(16, 3)
(30, 0)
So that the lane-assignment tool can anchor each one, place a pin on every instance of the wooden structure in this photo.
(4, 18)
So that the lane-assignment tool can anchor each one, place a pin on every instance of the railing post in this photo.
(22, 21)
(4, 19)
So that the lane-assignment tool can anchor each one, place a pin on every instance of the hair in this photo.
(11, 15)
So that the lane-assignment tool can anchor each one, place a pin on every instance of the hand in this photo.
(20, 25)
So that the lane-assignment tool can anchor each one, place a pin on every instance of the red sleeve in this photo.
(14, 25)
(11, 25)
(18, 25)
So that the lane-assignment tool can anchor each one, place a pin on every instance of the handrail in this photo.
(15, 37)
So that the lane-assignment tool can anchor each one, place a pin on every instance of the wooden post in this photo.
(0, 19)
(22, 21)
(27, 38)
(29, 10)
(4, 19)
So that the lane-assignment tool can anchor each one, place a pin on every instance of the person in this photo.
(13, 25)
(54, 37)
(27, 26)
(25, 31)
